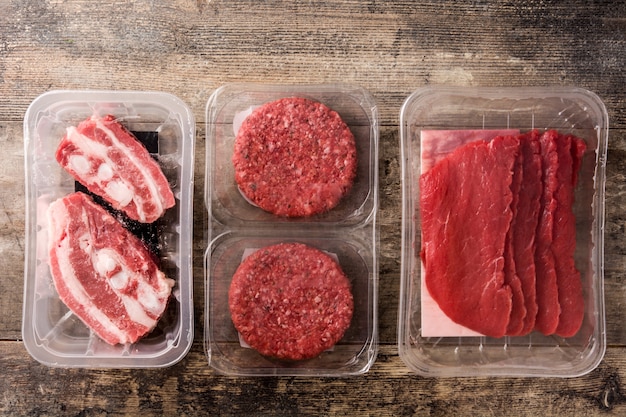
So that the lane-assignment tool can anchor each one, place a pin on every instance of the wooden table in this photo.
(189, 48)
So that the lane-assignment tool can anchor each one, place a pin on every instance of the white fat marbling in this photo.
(79, 164)
(120, 280)
(105, 172)
(105, 262)
(119, 192)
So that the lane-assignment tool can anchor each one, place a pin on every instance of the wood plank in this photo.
(192, 388)
(12, 244)
(390, 50)
(190, 48)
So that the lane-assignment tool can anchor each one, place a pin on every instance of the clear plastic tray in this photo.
(347, 231)
(568, 110)
(227, 108)
(52, 334)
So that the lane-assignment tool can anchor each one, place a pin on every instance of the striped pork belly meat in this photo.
(110, 162)
(103, 273)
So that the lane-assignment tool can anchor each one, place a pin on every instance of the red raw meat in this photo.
(548, 309)
(537, 259)
(465, 209)
(290, 301)
(436, 144)
(107, 159)
(511, 278)
(102, 272)
(294, 157)
(525, 225)
(570, 150)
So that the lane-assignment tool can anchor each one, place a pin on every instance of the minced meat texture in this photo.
(294, 157)
(290, 301)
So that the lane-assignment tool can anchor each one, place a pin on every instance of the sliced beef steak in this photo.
(436, 144)
(547, 288)
(511, 277)
(570, 151)
(103, 273)
(524, 225)
(107, 159)
(499, 234)
(466, 212)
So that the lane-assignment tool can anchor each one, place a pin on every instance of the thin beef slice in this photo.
(511, 278)
(436, 144)
(524, 225)
(465, 210)
(547, 290)
(570, 151)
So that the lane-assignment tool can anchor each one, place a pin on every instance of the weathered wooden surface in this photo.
(189, 48)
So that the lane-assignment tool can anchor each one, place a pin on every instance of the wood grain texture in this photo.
(190, 48)
(190, 388)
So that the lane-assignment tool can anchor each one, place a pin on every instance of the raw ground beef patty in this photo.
(290, 301)
(294, 157)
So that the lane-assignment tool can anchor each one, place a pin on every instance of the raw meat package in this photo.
(87, 261)
(294, 157)
(290, 301)
(291, 155)
(291, 188)
(511, 269)
(102, 272)
(107, 159)
(502, 231)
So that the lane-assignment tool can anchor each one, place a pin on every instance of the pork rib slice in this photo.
(107, 159)
(103, 273)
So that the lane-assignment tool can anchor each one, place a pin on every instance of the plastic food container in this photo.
(568, 110)
(52, 334)
(235, 226)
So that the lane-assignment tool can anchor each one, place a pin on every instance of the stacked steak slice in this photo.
(498, 234)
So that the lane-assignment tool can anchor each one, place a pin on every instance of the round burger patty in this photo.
(294, 157)
(290, 301)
